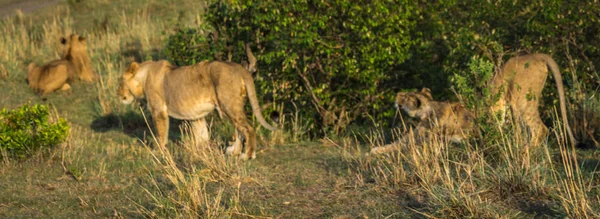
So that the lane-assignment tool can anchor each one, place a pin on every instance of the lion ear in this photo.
(63, 40)
(81, 39)
(425, 91)
(133, 68)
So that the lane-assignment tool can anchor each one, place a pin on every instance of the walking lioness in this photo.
(192, 92)
(520, 83)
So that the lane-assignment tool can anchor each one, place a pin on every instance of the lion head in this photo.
(129, 87)
(416, 103)
(75, 50)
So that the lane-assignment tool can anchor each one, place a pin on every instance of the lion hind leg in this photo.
(236, 147)
(242, 125)
(538, 130)
(248, 132)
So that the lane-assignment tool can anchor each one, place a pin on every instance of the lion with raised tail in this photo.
(58, 74)
(520, 84)
(192, 92)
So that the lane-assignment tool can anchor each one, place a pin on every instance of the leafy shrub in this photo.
(189, 46)
(27, 129)
(342, 61)
(472, 88)
(327, 59)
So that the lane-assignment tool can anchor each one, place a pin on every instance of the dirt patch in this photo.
(9, 8)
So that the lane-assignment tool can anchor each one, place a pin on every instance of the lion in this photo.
(75, 50)
(51, 77)
(519, 85)
(58, 74)
(192, 92)
(449, 120)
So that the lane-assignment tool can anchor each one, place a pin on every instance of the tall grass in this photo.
(199, 172)
(440, 179)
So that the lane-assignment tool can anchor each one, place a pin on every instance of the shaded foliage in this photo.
(342, 61)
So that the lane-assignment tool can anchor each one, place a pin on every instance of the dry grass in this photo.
(107, 169)
(503, 179)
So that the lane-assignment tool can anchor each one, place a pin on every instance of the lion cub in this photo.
(58, 74)
(450, 120)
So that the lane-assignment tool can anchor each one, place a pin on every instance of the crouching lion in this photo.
(520, 83)
(192, 92)
(449, 120)
(58, 74)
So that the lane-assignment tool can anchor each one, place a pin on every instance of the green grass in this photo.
(107, 169)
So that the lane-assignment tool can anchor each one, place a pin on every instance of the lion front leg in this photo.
(411, 137)
(161, 124)
(65, 87)
(388, 148)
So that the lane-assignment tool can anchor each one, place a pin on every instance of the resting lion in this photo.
(192, 92)
(449, 120)
(520, 83)
(58, 74)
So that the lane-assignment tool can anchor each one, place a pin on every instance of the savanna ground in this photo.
(107, 169)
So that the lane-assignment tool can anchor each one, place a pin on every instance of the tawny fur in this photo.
(58, 74)
(520, 84)
(192, 92)
(76, 52)
(449, 120)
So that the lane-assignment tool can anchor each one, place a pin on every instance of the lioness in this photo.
(50, 77)
(58, 74)
(449, 120)
(75, 50)
(520, 83)
(192, 92)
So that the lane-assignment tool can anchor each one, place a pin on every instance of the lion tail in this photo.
(251, 91)
(561, 95)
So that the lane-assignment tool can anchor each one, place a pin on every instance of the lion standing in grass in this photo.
(192, 92)
(449, 120)
(520, 83)
(58, 74)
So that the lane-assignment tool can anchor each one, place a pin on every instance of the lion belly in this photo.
(190, 111)
(188, 95)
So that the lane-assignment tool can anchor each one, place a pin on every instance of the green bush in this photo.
(189, 46)
(473, 90)
(328, 59)
(27, 129)
(342, 61)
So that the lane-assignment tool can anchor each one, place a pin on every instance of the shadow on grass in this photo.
(134, 125)
(539, 208)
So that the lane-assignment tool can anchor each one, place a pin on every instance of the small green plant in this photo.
(28, 129)
(472, 87)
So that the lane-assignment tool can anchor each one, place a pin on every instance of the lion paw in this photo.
(230, 150)
(244, 156)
